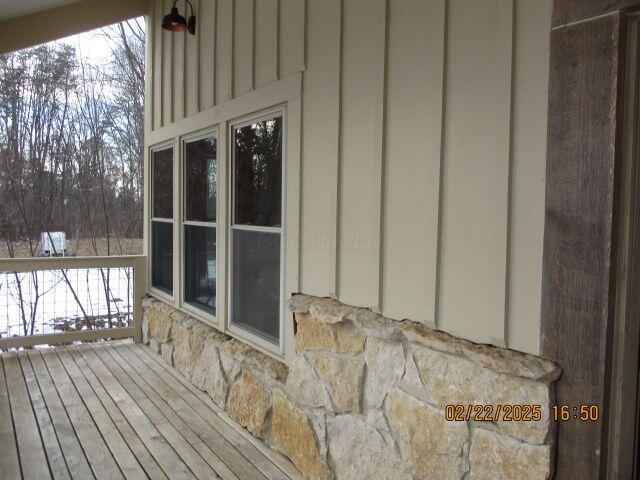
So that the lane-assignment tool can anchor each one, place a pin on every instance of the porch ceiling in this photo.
(17, 8)
(25, 23)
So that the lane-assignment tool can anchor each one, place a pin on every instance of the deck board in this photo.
(101, 459)
(204, 424)
(110, 410)
(52, 448)
(149, 431)
(9, 461)
(76, 460)
(33, 459)
(272, 463)
(177, 438)
(151, 467)
(127, 462)
(190, 426)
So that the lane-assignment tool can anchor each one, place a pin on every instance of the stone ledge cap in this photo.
(325, 310)
(251, 357)
(499, 359)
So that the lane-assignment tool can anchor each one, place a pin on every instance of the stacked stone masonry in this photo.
(365, 396)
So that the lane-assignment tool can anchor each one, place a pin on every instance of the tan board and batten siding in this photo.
(423, 138)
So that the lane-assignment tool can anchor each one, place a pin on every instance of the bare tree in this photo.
(35, 91)
(71, 150)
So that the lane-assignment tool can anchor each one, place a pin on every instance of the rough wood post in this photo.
(584, 147)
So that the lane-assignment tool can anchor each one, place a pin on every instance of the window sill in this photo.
(273, 351)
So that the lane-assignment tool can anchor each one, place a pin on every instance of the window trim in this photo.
(194, 310)
(244, 333)
(284, 94)
(169, 144)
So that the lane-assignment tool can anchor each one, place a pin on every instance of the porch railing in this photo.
(49, 301)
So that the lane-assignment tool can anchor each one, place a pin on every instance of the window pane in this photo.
(256, 282)
(163, 183)
(201, 180)
(162, 256)
(200, 267)
(258, 173)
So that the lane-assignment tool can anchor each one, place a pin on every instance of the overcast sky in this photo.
(92, 45)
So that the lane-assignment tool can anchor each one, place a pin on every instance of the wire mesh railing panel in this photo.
(69, 300)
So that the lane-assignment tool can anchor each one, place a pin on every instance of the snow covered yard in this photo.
(53, 301)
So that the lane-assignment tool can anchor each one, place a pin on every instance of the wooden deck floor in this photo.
(114, 410)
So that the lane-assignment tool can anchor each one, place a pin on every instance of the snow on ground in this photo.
(55, 302)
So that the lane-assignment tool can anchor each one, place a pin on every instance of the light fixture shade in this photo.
(174, 22)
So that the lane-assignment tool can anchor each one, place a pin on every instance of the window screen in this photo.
(200, 189)
(162, 220)
(256, 233)
(162, 194)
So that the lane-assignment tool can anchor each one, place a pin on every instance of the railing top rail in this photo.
(60, 263)
(67, 337)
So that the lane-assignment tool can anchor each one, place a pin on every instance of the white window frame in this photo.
(193, 309)
(282, 95)
(239, 331)
(157, 291)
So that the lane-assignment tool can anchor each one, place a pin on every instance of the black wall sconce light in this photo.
(174, 22)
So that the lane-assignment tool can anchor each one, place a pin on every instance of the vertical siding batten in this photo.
(214, 53)
(223, 69)
(336, 234)
(159, 59)
(475, 170)
(380, 143)
(291, 36)
(207, 54)
(503, 330)
(415, 72)
(359, 222)
(442, 155)
(277, 42)
(243, 41)
(149, 72)
(179, 74)
(252, 85)
(266, 42)
(531, 72)
(157, 65)
(192, 66)
(167, 70)
(253, 45)
(506, 25)
(320, 145)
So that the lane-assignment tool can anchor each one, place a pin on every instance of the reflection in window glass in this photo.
(162, 188)
(162, 256)
(201, 180)
(258, 173)
(256, 230)
(200, 190)
(162, 231)
(200, 267)
(256, 282)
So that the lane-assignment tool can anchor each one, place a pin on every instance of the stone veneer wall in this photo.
(365, 395)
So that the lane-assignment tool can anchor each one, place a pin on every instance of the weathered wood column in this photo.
(584, 153)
